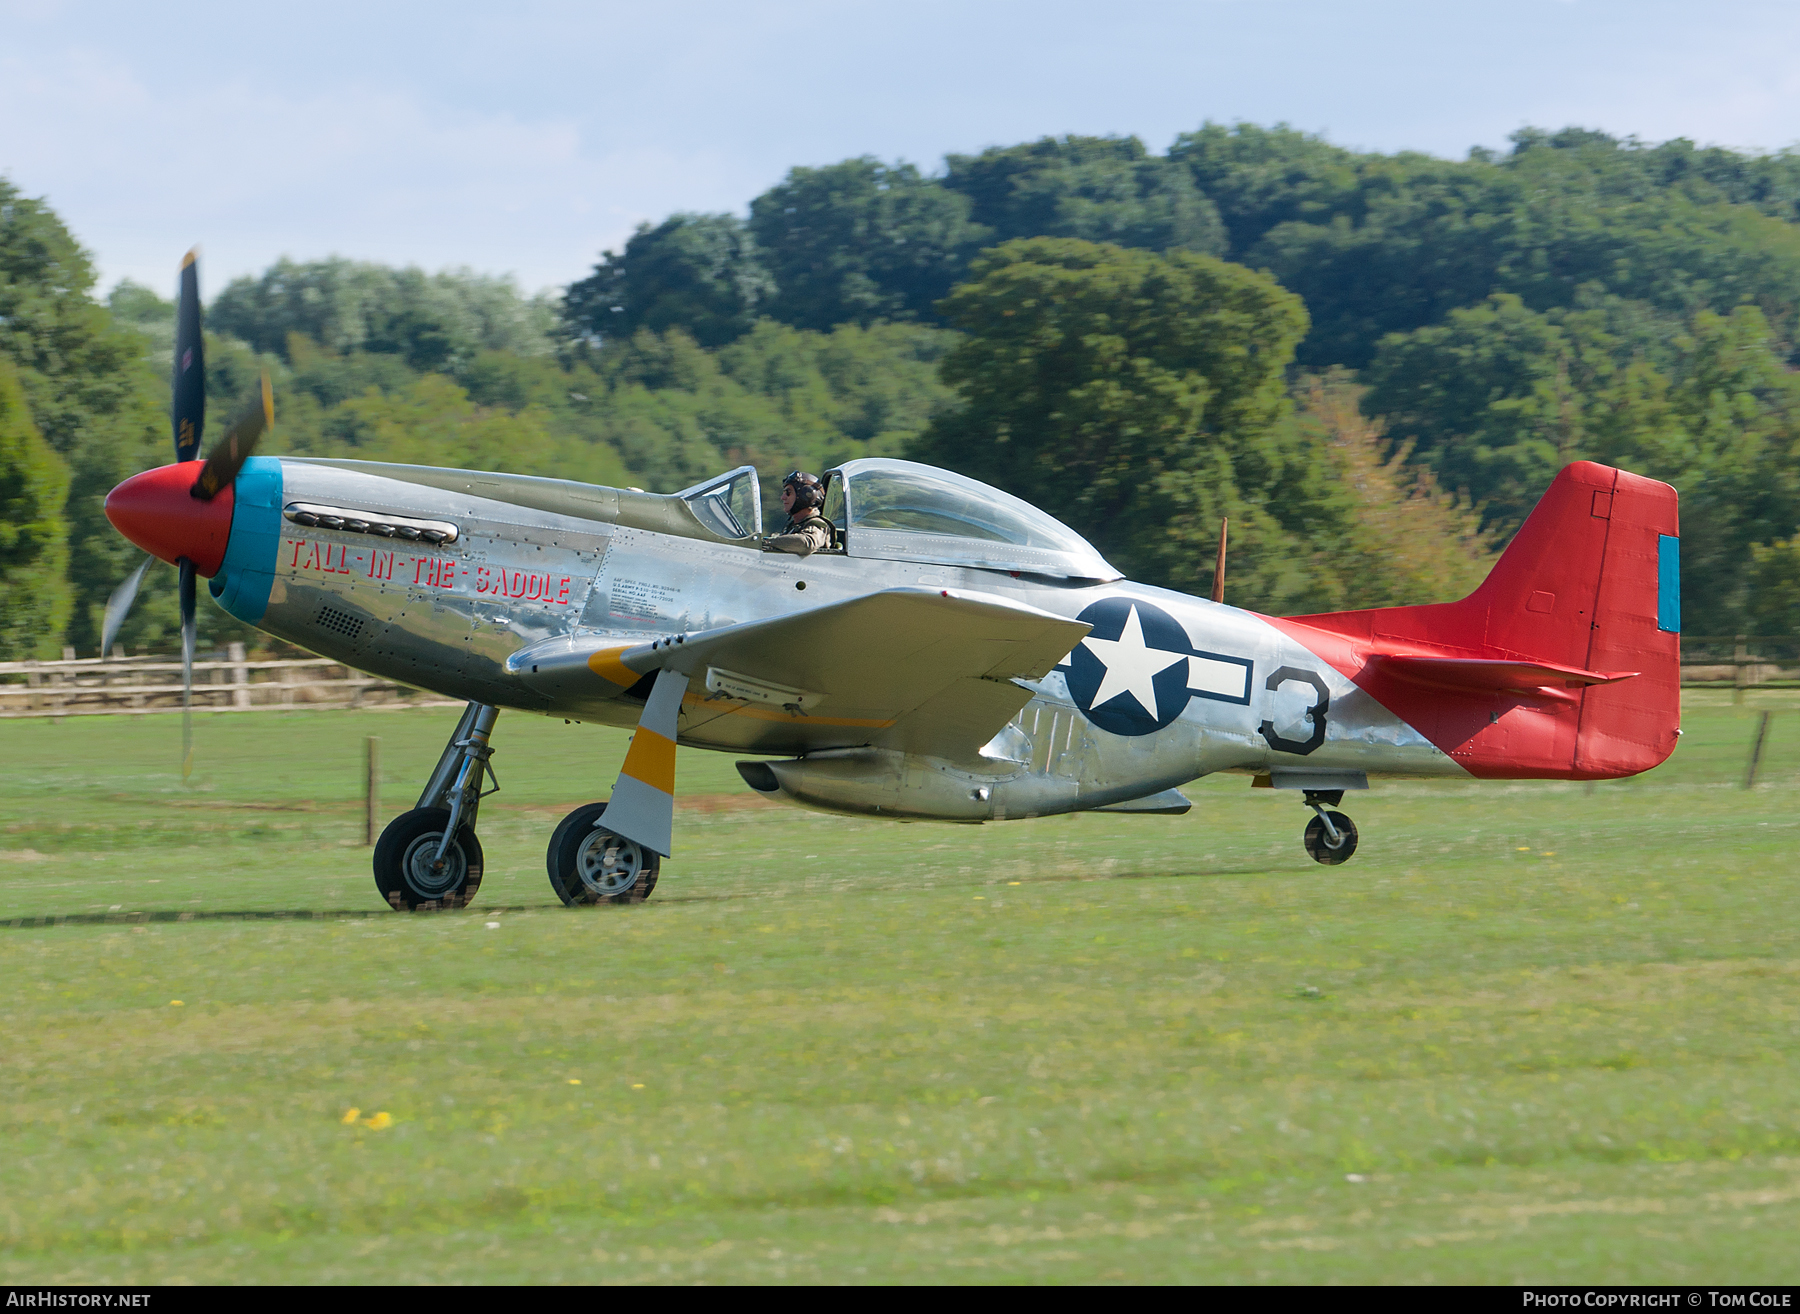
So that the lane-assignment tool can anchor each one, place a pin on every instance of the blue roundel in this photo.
(1130, 675)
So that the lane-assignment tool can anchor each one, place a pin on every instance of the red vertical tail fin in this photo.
(1589, 586)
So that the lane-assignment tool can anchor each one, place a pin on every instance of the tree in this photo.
(1582, 159)
(90, 393)
(867, 390)
(136, 307)
(1260, 177)
(433, 422)
(778, 398)
(1139, 397)
(431, 321)
(1388, 244)
(1402, 539)
(697, 272)
(1419, 238)
(861, 241)
(74, 365)
(1102, 189)
(35, 598)
(1501, 397)
(1774, 578)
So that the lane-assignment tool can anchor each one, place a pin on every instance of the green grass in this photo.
(1533, 1032)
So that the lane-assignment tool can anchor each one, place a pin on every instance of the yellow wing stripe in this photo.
(651, 760)
(607, 666)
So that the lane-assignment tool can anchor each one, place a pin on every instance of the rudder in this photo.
(1631, 726)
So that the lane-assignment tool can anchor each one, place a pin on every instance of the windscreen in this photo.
(730, 505)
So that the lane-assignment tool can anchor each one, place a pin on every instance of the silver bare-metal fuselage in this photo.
(534, 560)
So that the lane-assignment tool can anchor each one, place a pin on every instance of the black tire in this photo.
(588, 864)
(1319, 845)
(402, 857)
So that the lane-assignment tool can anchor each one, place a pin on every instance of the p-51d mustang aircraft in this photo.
(956, 655)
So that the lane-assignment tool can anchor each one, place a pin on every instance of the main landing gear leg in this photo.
(429, 858)
(611, 852)
(1330, 836)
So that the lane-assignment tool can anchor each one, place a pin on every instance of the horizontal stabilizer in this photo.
(1484, 675)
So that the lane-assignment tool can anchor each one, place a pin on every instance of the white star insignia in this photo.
(1131, 667)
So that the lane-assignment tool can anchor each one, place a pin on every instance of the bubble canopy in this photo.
(903, 511)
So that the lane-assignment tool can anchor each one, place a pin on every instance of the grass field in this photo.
(1532, 1032)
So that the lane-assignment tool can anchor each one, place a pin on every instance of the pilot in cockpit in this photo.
(807, 531)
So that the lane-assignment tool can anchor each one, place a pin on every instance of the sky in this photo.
(527, 138)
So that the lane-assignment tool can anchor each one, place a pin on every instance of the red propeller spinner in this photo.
(158, 511)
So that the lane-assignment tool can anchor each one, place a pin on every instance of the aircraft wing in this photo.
(922, 670)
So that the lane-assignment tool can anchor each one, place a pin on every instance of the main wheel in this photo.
(406, 870)
(590, 864)
(1319, 844)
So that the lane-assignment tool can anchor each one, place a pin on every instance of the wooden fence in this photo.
(223, 682)
(230, 682)
(1740, 662)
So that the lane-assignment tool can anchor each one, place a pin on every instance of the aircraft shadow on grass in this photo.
(45, 921)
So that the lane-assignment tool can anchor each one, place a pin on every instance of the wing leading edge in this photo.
(921, 670)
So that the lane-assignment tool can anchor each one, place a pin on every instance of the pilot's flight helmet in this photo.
(808, 491)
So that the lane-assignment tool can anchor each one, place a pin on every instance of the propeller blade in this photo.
(187, 668)
(119, 605)
(189, 403)
(230, 452)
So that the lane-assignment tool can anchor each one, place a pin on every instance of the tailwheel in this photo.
(410, 874)
(590, 864)
(1326, 846)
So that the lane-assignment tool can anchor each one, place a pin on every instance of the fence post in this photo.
(1756, 750)
(62, 700)
(1741, 658)
(240, 676)
(372, 795)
